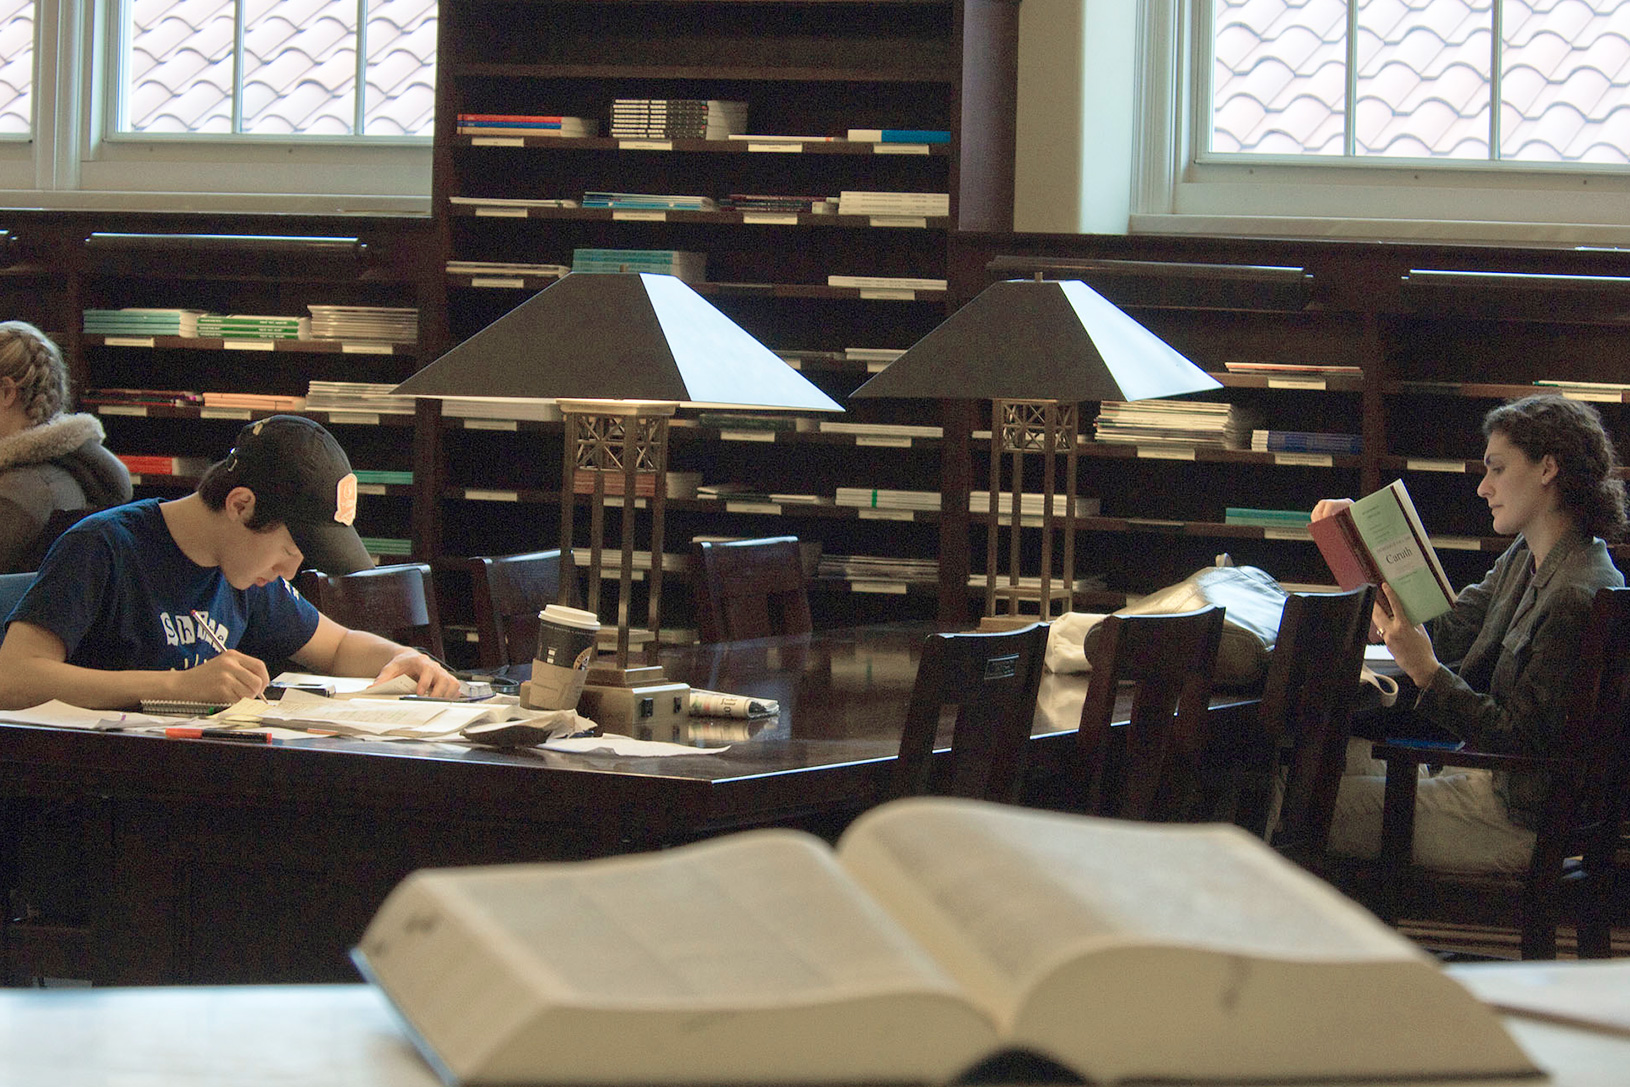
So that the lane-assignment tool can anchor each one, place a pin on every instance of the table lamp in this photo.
(1036, 349)
(619, 352)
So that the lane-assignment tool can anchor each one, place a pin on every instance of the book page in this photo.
(1003, 894)
(1166, 951)
(753, 952)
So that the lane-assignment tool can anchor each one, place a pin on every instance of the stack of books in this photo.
(869, 498)
(525, 124)
(383, 476)
(1291, 519)
(359, 396)
(677, 118)
(679, 484)
(507, 203)
(387, 324)
(888, 283)
(145, 465)
(899, 135)
(747, 201)
(1311, 369)
(504, 268)
(1305, 441)
(255, 401)
(854, 202)
(881, 430)
(1031, 505)
(691, 267)
(1193, 424)
(879, 568)
(247, 326)
(137, 321)
(144, 398)
(649, 201)
(740, 492)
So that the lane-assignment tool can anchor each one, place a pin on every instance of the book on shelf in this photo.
(140, 321)
(937, 934)
(1380, 538)
(389, 324)
(521, 124)
(885, 283)
(879, 568)
(853, 202)
(881, 430)
(356, 396)
(159, 398)
(254, 401)
(679, 484)
(1198, 423)
(1266, 518)
(649, 201)
(772, 202)
(677, 118)
(1305, 441)
(139, 464)
(740, 492)
(513, 202)
(688, 266)
(777, 138)
(252, 326)
(1311, 368)
(386, 476)
(899, 135)
(730, 420)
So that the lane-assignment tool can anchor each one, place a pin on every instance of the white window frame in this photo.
(74, 161)
(1174, 190)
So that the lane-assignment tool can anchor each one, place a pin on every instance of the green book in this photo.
(1380, 538)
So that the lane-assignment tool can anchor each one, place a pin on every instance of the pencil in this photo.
(208, 631)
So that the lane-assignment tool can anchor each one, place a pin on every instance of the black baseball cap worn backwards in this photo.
(302, 477)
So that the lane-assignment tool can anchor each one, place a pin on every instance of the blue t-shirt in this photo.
(120, 594)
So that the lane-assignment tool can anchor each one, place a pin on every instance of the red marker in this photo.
(182, 732)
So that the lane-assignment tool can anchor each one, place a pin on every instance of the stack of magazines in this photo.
(1195, 424)
(389, 324)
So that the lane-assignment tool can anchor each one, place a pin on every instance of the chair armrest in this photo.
(1418, 754)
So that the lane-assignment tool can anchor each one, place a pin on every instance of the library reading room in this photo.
(800, 529)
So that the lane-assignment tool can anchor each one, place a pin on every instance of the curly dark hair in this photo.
(1572, 432)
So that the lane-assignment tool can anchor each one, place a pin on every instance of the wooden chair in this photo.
(1579, 824)
(1284, 777)
(58, 522)
(12, 588)
(750, 589)
(992, 680)
(396, 602)
(508, 591)
(1151, 767)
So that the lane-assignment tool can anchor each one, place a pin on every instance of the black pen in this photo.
(183, 732)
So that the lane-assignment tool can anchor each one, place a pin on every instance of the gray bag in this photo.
(1254, 602)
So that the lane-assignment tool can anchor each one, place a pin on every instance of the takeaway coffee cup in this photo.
(566, 639)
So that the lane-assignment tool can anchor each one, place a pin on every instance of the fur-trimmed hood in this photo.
(74, 442)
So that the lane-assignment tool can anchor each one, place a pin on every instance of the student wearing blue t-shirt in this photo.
(116, 612)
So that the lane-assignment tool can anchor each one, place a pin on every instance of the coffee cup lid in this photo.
(572, 617)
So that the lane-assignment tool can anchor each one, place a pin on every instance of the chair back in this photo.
(508, 591)
(1585, 811)
(56, 523)
(750, 589)
(1149, 767)
(991, 679)
(396, 602)
(12, 588)
(1306, 716)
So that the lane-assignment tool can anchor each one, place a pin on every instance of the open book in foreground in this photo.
(939, 933)
(1380, 538)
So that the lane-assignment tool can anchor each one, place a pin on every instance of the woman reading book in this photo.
(1550, 482)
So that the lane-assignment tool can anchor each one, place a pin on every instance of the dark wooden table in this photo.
(214, 862)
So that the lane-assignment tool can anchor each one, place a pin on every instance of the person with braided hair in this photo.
(49, 460)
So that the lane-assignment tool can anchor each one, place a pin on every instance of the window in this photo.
(1468, 120)
(294, 70)
(1398, 80)
(230, 105)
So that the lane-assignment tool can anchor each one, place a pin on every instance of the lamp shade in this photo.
(618, 336)
(1039, 340)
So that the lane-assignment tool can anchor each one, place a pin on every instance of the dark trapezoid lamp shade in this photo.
(616, 336)
(1039, 340)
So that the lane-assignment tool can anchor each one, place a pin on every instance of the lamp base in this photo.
(645, 711)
